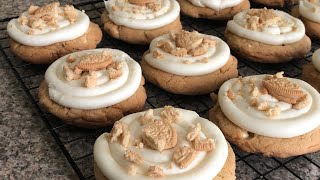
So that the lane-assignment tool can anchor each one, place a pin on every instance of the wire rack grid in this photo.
(76, 143)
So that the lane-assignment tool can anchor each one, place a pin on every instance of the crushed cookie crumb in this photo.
(165, 45)
(180, 52)
(170, 114)
(157, 54)
(194, 132)
(32, 9)
(69, 75)
(147, 117)
(132, 169)
(204, 144)
(255, 92)
(263, 106)
(209, 42)
(231, 95)
(114, 73)
(200, 50)
(154, 6)
(155, 172)
(133, 157)
(70, 13)
(274, 111)
(183, 156)
(23, 20)
(91, 80)
(71, 59)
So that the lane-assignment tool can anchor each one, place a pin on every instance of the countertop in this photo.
(28, 151)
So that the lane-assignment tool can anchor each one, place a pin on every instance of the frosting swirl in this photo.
(113, 163)
(151, 16)
(316, 59)
(42, 26)
(92, 90)
(188, 53)
(217, 4)
(250, 106)
(310, 9)
(267, 26)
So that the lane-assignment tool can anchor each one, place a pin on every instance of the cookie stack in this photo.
(92, 88)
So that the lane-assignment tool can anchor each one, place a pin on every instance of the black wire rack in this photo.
(77, 143)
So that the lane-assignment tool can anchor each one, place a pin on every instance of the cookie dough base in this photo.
(273, 147)
(96, 117)
(50, 53)
(190, 85)
(311, 75)
(136, 36)
(265, 53)
(312, 28)
(276, 3)
(203, 12)
(227, 172)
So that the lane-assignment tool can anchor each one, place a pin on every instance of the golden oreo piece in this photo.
(183, 156)
(94, 62)
(159, 135)
(141, 2)
(204, 144)
(194, 132)
(188, 40)
(155, 171)
(170, 114)
(48, 10)
(133, 157)
(283, 90)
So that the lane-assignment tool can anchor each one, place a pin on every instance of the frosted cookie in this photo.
(44, 34)
(311, 71)
(216, 10)
(269, 114)
(93, 88)
(188, 63)
(309, 12)
(140, 21)
(166, 143)
(267, 36)
(276, 3)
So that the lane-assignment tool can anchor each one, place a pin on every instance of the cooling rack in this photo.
(77, 143)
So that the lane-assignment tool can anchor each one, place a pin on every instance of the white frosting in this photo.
(110, 156)
(216, 4)
(316, 59)
(64, 31)
(107, 92)
(217, 58)
(146, 18)
(289, 123)
(292, 32)
(310, 10)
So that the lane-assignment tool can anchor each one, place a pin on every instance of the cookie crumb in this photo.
(157, 54)
(133, 157)
(231, 95)
(274, 111)
(180, 52)
(170, 114)
(70, 13)
(147, 117)
(183, 156)
(200, 50)
(91, 80)
(194, 132)
(132, 169)
(204, 144)
(155, 172)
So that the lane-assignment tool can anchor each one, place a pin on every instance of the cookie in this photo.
(276, 3)
(311, 71)
(188, 63)
(43, 34)
(216, 13)
(133, 29)
(139, 162)
(260, 119)
(267, 46)
(309, 15)
(96, 95)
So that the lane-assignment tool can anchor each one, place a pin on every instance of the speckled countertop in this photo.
(28, 151)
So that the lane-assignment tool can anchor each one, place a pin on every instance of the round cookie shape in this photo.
(270, 36)
(119, 158)
(106, 91)
(188, 63)
(148, 17)
(169, 55)
(267, 26)
(35, 28)
(41, 35)
(216, 10)
(93, 88)
(252, 105)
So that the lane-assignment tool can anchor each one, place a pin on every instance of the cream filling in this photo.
(316, 59)
(73, 94)
(64, 31)
(145, 18)
(217, 57)
(110, 156)
(216, 4)
(292, 32)
(289, 123)
(310, 10)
